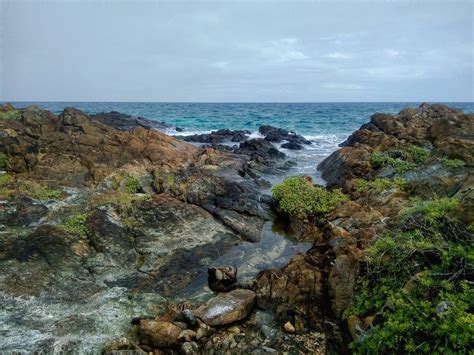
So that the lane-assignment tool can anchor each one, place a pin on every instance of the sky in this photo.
(239, 51)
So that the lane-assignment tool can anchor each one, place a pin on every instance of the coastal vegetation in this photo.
(10, 115)
(379, 184)
(76, 225)
(416, 284)
(298, 197)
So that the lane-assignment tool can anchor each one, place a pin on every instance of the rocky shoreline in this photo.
(106, 221)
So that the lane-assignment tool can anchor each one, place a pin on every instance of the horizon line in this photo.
(231, 102)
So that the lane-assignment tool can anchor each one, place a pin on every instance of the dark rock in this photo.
(220, 136)
(273, 134)
(260, 150)
(124, 122)
(292, 145)
(222, 279)
(158, 333)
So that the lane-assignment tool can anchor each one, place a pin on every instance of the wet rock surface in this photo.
(227, 308)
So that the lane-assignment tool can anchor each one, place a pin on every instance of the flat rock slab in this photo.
(227, 308)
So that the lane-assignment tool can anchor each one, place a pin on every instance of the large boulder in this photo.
(227, 308)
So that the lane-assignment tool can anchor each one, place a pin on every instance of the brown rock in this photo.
(227, 308)
(158, 333)
(341, 282)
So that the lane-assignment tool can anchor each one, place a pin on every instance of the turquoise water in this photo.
(327, 124)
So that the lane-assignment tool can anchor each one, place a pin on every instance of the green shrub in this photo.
(76, 225)
(7, 187)
(362, 185)
(3, 160)
(10, 115)
(453, 163)
(418, 154)
(6, 179)
(400, 166)
(416, 280)
(132, 185)
(298, 197)
(433, 210)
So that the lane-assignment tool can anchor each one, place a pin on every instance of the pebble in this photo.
(289, 328)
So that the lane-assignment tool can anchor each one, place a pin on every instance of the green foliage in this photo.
(433, 210)
(132, 185)
(10, 115)
(38, 191)
(298, 197)
(416, 280)
(418, 154)
(362, 185)
(6, 179)
(76, 225)
(3, 160)
(6, 186)
(453, 163)
(400, 166)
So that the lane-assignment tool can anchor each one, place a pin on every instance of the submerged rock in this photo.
(222, 279)
(227, 308)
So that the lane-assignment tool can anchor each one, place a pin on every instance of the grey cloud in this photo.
(236, 51)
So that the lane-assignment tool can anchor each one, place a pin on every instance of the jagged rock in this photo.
(159, 334)
(274, 134)
(341, 282)
(260, 150)
(73, 150)
(219, 136)
(292, 146)
(222, 279)
(124, 122)
(227, 308)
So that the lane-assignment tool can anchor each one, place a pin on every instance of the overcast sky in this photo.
(236, 51)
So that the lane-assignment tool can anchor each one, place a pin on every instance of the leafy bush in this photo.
(6, 185)
(362, 185)
(381, 159)
(76, 225)
(453, 163)
(433, 210)
(415, 279)
(3, 160)
(10, 115)
(298, 197)
(132, 185)
(418, 154)
(6, 179)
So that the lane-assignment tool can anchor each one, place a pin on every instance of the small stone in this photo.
(443, 306)
(187, 335)
(201, 333)
(189, 317)
(289, 328)
(222, 279)
(190, 348)
(234, 329)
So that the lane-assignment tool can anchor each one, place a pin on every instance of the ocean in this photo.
(327, 124)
